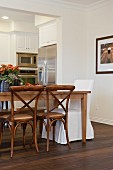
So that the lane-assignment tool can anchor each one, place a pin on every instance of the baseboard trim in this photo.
(101, 120)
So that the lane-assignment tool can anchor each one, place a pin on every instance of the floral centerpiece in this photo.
(9, 74)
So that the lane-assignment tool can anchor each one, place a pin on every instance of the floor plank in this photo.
(97, 154)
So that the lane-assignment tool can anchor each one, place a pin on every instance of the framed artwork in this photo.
(104, 55)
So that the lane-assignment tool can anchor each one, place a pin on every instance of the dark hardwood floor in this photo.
(97, 154)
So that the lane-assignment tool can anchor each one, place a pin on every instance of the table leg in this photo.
(84, 117)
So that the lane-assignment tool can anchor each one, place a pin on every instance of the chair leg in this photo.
(24, 129)
(67, 137)
(54, 125)
(1, 131)
(40, 126)
(35, 137)
(32, 141)
(0, 138)
(12, 140)
(48, 129)
(53, 133)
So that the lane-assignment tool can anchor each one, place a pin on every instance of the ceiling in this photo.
(79, 2)
(30, 17)
(16, 16)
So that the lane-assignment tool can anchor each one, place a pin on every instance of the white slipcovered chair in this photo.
(74, 117)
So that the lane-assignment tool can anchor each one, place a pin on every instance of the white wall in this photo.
(99, 24)
(5, 27)
(18, 26)
(74, 47)
(24, 27)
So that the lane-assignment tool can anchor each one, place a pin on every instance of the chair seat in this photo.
(18, 117)
(5, 111)
(25, 117)
(56, 115)
(4, 115)
(41, 115)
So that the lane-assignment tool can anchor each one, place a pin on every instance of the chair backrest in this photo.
(16, 91)
(82, 85)
(53, 93)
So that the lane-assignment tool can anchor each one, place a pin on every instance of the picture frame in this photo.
(104, 55)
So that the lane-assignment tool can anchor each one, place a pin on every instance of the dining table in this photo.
(82, 95)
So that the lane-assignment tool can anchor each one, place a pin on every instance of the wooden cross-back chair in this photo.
(25, 114)
(58, 111)
(75, 116)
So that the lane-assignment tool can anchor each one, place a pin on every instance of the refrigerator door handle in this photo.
(42, 75)
(46, 75)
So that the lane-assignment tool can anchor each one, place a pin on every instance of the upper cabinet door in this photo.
(21, 42)
(32, 41)
(48, 34)
(4, 48)
(27, 42)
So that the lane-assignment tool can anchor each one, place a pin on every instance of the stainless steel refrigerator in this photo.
(47, 58)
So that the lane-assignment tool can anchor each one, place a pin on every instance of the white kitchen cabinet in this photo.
(48, 34)
(27, 42)
(4, 48)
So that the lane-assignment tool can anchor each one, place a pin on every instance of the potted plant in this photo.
(9, 75)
